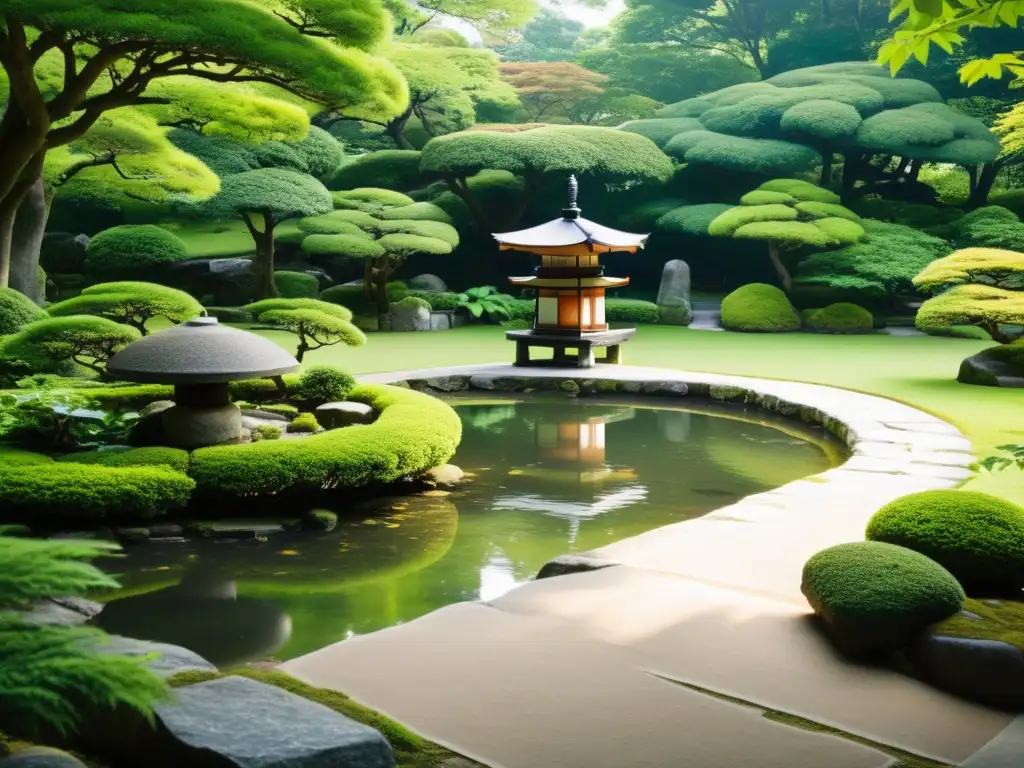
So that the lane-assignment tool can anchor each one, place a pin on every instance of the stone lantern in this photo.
(570, 286)
(199, 358)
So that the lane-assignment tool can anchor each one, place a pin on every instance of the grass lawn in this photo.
(224, 239)
(917, 370)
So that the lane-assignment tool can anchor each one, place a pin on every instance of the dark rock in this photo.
(995, 367)
(63, 611)
(168, 660)
(41, 757)
(149, 429)
(674, 294)
(427, 282)
(344, 414)
(228, 281)
(681, 315)
(133, 535)
(444, 476)
(411, 317)
(664, 388)
(987, 671)
(241, 723)
(566, 564)
(63, 253)
(448, 383)
(165, 530)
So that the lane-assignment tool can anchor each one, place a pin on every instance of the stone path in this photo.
(689, 645)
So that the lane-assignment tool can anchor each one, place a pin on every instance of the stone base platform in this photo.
(561, 343)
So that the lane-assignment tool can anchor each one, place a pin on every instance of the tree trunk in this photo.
(380, 280)
(775, 255)
(8, 213)
(301, 349)
(996, 333)
(27, 240)
(459, 187)
(826, 169)
(851, 165)
(396, 129)
(263, 263)
(985, 180)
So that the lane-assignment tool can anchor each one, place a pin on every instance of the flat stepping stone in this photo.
(527, 691)
(1004, 751)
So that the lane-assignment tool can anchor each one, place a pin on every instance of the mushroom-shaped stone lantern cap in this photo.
(200, 351)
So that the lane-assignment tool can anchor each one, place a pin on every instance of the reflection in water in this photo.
(547, 477)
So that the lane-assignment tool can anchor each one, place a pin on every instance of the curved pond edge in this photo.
(895, 449)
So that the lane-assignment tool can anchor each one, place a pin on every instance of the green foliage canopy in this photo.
(86, 340)
(131, 303)
(132, 250)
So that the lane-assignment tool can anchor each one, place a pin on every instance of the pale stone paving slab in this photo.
(517, 691)
(713, 601)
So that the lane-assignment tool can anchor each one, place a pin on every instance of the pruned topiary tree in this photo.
(131, 303)
(263, 199)
(882, 130)
(132, 251)
(789, 215)
(974, 286)
(380, 228)
(82, 339)
(316, 323)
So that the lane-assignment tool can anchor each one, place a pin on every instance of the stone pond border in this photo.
(890, 443)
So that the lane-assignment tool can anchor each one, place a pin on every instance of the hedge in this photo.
(840, 318)
(977, 537)
(132, 251)
(304, 423)
(439, 302)
(16, 311)
(355, 298)
(296, 285)
(413, 433)
(759, 308)
(75, 493)
(155, 456)
(872, 596)
(629, 311)
(324, 383)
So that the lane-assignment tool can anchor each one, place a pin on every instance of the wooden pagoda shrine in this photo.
(570, 285)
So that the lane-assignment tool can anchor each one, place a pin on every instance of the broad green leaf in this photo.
(898, 9)
(476, 309)
(1008, 13)
(899, 58)
(921, 51)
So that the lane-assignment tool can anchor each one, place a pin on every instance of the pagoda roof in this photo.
(570, 230)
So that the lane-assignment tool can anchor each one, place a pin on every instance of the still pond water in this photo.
(547, 477)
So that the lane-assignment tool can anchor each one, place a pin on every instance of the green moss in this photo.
(413, 433)
(872, 596)
(320, 520)
(266, 432)
(156, 456)
(438, 301)
(125, 398)
(304, 423)
(759, 308)
(296, 285)
(411, 750)
(1001, 620)
(840, 318)
(977, 537)
(734, 218)
(282, 408)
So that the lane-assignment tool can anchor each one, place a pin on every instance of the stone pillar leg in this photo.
(522, 352)
(585, 359)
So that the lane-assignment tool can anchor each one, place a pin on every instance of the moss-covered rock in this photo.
(878, 597)
(839, 318)
(759, 308)
(977, 537)
(1001, 366)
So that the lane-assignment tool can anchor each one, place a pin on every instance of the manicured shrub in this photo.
(304, 422)
(266, 432)
(324, 383)
(229, 314)
(132, 251)
(977, 537)
(16, 311)
(630, 311)
(132, 303)
(316, 323)
(370, 199)
(71, 493)
(82, 339)
(413, 433)
(840, 318)
(759, 308)
(155, 456)
(121, 398)
(296, 285)
(877, 597)
(439, 302)
(354, 296)
(691, 219)
(390, 168)
(258, 308)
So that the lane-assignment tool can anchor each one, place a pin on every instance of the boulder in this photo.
(168, 660)
(444, 476)
(41, 757)
(1001, 366)
(63, 611)
(427, 282)
(675, 315)
(256, 413)
(674, 290)
(239, 722)
(411, 316)
(566, 564)
(63, 253)
(155, 408)
(344, 414)
(986, 671)
(228, 281)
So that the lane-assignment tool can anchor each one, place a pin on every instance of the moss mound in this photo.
(977, 537)
(759, 308)
(877, 597)
(840, 318)
(16, 311)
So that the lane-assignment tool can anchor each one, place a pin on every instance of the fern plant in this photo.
(486, 300)
(50, 674)
(1015, 458)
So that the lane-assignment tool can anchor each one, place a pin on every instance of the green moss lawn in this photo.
(224, 239)
(918, 370)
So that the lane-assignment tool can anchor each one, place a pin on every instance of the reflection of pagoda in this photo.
(570, 286)
(572, 470)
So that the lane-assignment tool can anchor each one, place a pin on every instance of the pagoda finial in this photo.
(572, 210)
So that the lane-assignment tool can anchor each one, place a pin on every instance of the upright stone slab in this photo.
(674, 294)
(410, 316)
(236, 721)
(427, 282)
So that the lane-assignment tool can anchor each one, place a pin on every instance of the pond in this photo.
(546, 477)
